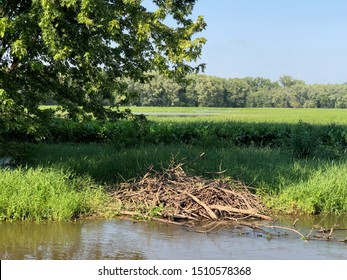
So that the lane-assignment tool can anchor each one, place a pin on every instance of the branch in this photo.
(208, 209)
(287, 228)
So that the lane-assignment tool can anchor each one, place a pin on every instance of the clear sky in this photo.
(306, 39)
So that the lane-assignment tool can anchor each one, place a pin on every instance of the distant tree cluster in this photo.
(210, 91)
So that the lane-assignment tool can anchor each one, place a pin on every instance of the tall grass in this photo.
(325, 191)
(46, 194)
(308, 185)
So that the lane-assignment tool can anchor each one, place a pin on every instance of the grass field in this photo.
(294, 167)
(277, 115)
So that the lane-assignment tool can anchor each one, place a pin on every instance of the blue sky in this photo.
(306, 39)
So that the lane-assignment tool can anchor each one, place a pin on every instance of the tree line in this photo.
(209, 91)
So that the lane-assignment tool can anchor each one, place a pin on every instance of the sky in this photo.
(306, 39)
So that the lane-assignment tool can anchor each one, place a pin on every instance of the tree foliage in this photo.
(76, 52)
(209, 91)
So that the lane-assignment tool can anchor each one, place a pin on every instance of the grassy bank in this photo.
(46, 194)
(294, 166)
(286, 184)
(58, 185)
(324, 191)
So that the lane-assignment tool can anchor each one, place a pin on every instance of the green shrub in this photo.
(302, 139)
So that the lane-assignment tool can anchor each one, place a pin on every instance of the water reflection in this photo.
(118, 239)
(26, 240)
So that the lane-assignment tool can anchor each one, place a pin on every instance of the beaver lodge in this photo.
(175, 197)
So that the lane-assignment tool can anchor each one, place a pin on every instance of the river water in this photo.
(124, 239)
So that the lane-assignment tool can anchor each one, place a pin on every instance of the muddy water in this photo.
(121, 239)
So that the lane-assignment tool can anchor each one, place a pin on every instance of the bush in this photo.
(302, 139)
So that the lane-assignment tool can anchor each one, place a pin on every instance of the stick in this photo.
(166, 221)
(287, 228)
(240, 211)
(208, 209)
(240, 195)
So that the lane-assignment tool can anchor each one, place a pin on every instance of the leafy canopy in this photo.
(76, 52)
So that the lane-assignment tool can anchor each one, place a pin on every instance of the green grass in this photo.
(46, 194)
(294, 166)
(277, 115)
(286, 184)
(325, 191)
(106, 164)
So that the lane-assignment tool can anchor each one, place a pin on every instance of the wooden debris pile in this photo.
(172, 195)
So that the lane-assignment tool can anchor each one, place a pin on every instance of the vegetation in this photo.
(286, 184)
(42, 57)
(209, 91)
(46, 194)
(302, 139)
(324, 191)
(254, 115)
(295, 166)
(64, 158)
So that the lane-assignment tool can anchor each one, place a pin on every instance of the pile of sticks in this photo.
(172, 195)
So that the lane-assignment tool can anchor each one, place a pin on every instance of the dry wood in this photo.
(250, 213)
(173, 195)
(294, 223)
(208, 209)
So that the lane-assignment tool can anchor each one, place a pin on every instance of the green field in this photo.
(295, 159)
(278, 115)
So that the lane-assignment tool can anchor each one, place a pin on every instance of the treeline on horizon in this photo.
(210, 91)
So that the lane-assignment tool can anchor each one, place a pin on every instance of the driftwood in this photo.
(174, 196)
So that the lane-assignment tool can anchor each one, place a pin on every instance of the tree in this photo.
(75, 52)
(205, 91)
(288, 81)
(159, 91)
(237, 91)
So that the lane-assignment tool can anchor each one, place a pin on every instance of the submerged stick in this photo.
(287, 228)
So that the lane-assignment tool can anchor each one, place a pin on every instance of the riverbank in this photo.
(69, 181)
(292, 166)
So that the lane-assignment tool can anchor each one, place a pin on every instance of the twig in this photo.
(287, 228)
(294, 223)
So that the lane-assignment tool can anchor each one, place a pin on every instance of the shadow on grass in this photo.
(269, 169)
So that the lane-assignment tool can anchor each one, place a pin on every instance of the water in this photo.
(168, 114)
(122, 239)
